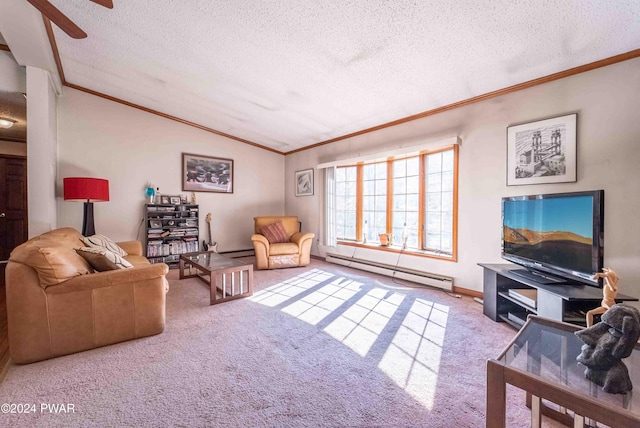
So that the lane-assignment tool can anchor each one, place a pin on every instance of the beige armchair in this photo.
(278, 242)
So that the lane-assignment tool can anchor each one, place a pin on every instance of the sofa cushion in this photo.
(99, 240)
(102, 259)
(275, 233)
(53, 263)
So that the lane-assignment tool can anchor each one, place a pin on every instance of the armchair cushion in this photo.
(283, 248)
(102, 259)
(275, 233)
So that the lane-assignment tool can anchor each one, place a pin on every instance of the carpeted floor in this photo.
(320, 346)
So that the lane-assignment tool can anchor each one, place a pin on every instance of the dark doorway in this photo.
(13, 228)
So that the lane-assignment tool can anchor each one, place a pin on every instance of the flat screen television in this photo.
(556, 237)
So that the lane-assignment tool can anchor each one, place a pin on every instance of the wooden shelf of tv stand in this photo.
(555, 301)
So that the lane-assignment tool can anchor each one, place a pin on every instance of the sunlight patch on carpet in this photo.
(412, 360)
(285, 290)
(316, 306)
(359, 326)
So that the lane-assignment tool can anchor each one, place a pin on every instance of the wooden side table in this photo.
(541, 360)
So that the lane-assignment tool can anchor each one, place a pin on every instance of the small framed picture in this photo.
(183, 198)
(174, 200)
(542, 152)
(164, 199)
(304, 182)
(155, 224)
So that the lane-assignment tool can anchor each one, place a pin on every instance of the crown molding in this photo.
(500, 92)
(520, 86)
(170, 117)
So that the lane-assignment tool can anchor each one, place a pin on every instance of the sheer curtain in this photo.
(330, 206)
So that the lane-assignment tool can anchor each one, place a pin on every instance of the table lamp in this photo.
(87, 189)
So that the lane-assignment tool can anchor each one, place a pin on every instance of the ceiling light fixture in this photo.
(6, 123)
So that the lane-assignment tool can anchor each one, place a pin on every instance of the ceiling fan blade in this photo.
(58, 18)
(106, 3)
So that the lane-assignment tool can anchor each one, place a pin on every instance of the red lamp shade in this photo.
(86, 188)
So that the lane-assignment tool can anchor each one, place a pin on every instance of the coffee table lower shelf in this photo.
(228, 279)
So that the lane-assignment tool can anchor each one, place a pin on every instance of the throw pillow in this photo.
(102, 241)
(275, 233)
(102, 259)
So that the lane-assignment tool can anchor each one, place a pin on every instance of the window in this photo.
(346, 198)
(412, 198)
(374, 201)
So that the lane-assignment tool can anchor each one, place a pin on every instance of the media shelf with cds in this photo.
(171, 230)
(510, 297)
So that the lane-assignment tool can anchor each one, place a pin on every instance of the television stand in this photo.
(558, 302)
(539, 277)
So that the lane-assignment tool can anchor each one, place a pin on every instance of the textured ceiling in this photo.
(288, 73)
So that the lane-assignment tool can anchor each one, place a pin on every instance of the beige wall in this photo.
(129, 147)
(41, 151)
(608, 157)
(12, 77)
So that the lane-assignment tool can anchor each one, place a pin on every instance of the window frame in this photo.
(395, 248)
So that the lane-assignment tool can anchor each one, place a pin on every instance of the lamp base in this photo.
(88, 227)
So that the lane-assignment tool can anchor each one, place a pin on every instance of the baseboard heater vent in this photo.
(424, 278)
(238, 253)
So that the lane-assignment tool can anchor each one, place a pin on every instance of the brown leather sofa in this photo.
(296, 251)
(57, 304)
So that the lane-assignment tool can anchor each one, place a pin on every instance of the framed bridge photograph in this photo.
(542, 152)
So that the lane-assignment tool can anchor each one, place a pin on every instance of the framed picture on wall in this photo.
(542, 152)
(304, 182)
(206, 174)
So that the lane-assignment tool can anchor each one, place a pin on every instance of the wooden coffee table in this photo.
(227, 278)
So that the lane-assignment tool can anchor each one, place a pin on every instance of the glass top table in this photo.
(541, 360)
(227, 278)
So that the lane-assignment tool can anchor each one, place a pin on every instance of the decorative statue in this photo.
(606, 343)
(609, 293)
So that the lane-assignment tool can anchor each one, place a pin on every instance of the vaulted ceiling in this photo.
(286, 74)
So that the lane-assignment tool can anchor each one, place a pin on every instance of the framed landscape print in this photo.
(542, 152)
(304, 182)
(206, 174)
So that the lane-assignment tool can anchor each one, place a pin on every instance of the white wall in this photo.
(607, 104)
(129, 147)
(41, 151)
(12, 76)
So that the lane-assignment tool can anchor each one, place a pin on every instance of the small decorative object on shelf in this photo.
(606, 343)
(171, 230)
(193, 197)
(609, 293)
(150, 193)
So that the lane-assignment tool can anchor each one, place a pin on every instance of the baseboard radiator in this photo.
(419, 277)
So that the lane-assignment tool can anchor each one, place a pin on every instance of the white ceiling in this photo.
(286, 74)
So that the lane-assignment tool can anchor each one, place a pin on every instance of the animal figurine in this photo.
(606, 343)
(609, 293)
